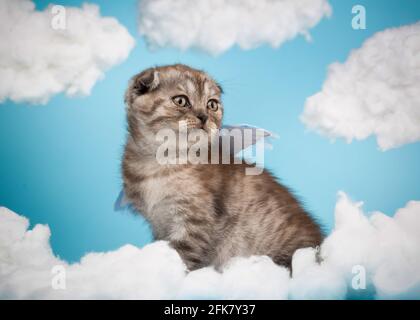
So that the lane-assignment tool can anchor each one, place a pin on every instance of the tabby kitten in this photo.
(208, 212)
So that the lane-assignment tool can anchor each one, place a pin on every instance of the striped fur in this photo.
(209, 213)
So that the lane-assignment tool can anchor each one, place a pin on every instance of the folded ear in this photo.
(142, 83)
(146, 81)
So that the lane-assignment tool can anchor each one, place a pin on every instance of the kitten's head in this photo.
(159, 98)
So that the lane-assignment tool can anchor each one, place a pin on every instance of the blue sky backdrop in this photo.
(60, 162)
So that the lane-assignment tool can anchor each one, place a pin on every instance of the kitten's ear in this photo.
(146, 81)
(142, 83)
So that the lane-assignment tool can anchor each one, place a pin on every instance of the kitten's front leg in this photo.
(192, 257)
(193, 236)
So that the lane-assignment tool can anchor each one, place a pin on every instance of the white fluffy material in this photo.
(215, 26)
(38, 61)
(375, 92)
(388, 248)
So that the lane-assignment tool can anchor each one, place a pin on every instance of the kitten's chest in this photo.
(161, 203)
(155, 191)
(163, 190)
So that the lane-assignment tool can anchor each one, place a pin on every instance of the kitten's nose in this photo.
(203, 117)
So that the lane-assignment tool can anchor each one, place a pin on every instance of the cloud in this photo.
(375, 92)
(217, 25)
(387, 249)
(38, 61)
(384, 249)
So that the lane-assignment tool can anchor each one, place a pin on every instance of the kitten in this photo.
(208, 212)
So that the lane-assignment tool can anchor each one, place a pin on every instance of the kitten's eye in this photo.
(213, 104)
(181, 101)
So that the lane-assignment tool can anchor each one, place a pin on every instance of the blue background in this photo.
(60, 162)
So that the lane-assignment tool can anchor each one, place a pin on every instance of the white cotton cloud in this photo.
(215, 26)
(374, 251)
(375, 92)
(387, 249)
(256, 277)
(38, 61)
(27, 262)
